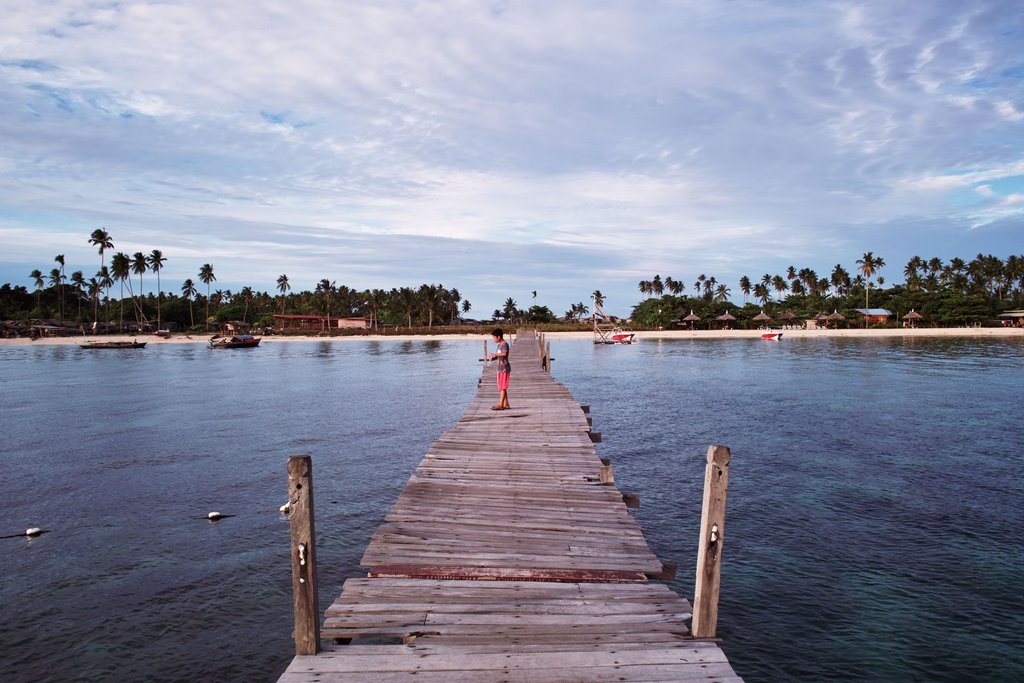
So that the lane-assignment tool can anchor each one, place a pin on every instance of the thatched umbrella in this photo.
(762, 317)
(836, 316)
(913, 317)
(788, 315)
(821, 317)
(726, 318)
(692, 318)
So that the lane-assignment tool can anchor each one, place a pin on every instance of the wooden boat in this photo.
(242, 341)
(771, 336)
(163, 334)
(114, 345)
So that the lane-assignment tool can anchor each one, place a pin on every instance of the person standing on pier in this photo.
(504, 368)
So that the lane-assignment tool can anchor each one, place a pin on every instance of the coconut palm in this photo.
(106, 282)
(78, 280)
(779, 284)
(284, 288)
(188, 290)
(466, 306)
(868, 265)
(407, 300)
(657, 286)
(428, 297)
(100, 238)
(37, 277)
(95, 289)
(598, 298)
(156, 261)
(59, 258)
(139, 267)
(722, 293)
(55, 279)
(510, 309)
(206, 276)
(745, 287)
(121, 269)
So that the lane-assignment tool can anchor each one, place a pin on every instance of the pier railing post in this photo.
(303, 551)
(709, 551)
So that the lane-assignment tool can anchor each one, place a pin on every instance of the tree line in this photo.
(956, 292)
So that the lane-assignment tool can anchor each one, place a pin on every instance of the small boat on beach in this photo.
(163, 334)
(241, 341)
(771, 336)
(113, 345)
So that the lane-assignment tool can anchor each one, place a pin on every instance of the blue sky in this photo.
(504, 147)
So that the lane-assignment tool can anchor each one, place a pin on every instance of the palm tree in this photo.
(206, 276)
(284, 288)
(139, 267)
(100, 238)
(745, 287)
(510, 309)
(59, 258)
(407, 300)
(657, 286)
(55, 279)
(598, 298)
(780, 285)
(156, 261)
(466, 306)
(428, 297)
(645, 288)
(121, 269)
(761, 292)
(246, 295)
(188, 290)
(106, 282)
(95, 289)
(722, 293)
(840, 280)
(37, 277)
(869, 264)
(78, 280)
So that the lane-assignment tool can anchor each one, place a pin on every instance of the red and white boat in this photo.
(771, 336)
(622, 336)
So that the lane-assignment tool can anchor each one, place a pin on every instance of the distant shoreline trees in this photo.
(956, 292)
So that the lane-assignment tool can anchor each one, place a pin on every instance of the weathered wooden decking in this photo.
(505, 559)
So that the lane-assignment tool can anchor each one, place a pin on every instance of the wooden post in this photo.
(547, 357)
(303, 547)
(709, 550)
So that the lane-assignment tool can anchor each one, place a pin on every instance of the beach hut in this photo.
(692, 318)
(788, 317)
(913, 317)
(762, 318)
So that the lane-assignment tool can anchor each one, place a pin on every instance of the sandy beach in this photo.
(1003, 332)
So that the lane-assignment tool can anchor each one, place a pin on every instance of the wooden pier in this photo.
(510, 556)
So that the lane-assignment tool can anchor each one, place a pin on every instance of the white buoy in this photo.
(214, 515)
(34, 531)
(286, 508)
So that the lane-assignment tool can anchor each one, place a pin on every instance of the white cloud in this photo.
(688, 133)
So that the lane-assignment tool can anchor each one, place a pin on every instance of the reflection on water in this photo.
(874, 492)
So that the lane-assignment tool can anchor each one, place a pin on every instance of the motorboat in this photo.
(771, 336)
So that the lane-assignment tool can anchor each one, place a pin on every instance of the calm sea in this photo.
(874, 529)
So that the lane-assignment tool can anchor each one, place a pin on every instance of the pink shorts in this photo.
(503, 378)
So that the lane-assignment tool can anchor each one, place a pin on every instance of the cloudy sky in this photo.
(508, 146)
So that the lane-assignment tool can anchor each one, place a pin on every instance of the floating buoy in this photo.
(27, 533)
(214, 516)
(286, 508)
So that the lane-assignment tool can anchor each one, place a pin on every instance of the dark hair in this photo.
(496, 332)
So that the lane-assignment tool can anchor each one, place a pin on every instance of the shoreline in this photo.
(965, 332)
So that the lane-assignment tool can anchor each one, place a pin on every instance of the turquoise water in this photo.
(873, 533)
